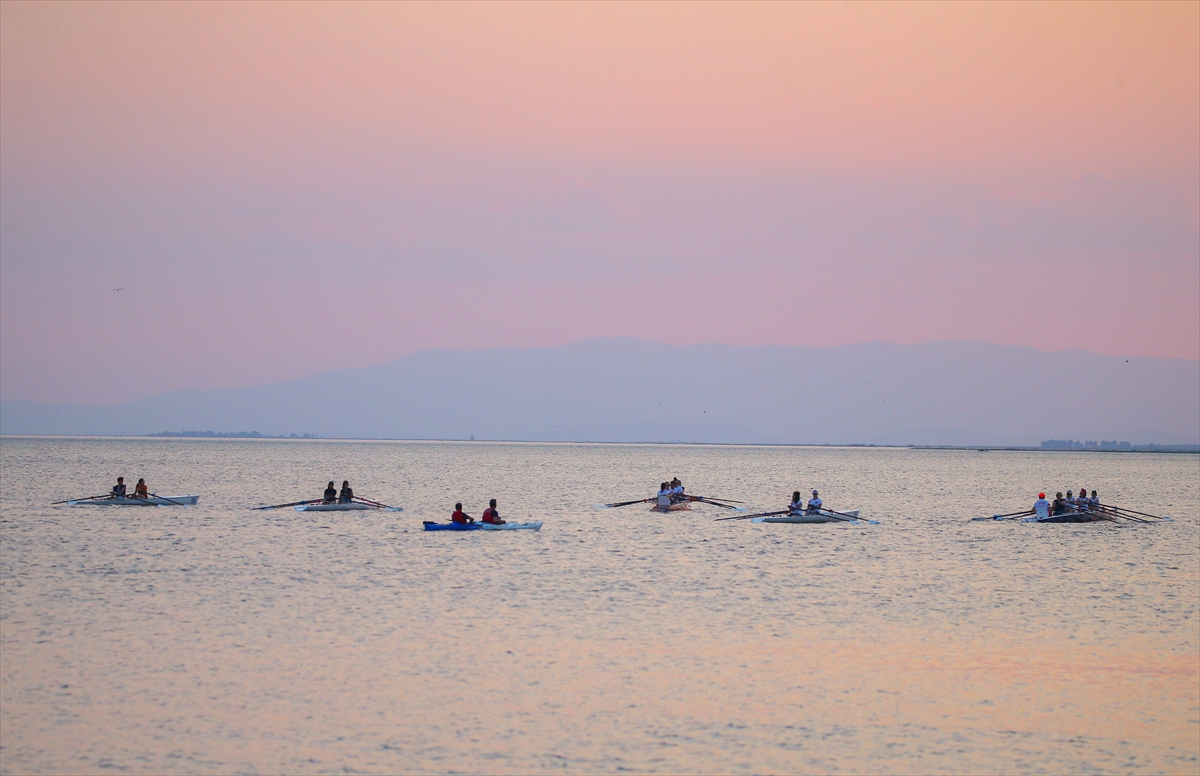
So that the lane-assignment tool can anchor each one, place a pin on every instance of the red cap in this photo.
(1041, 495)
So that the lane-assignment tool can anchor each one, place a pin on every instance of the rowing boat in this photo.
(536, 526)
(340, 506)
(1069, 517)
(676, 507)
(125, 501)
(799, 517)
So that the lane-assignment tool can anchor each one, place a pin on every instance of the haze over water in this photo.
(217, 639)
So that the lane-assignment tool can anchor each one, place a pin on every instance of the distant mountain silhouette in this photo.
(628, 390)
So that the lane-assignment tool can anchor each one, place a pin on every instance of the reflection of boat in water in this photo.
(153, 501)
(820, 517)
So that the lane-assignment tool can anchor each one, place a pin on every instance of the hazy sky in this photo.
(284, 188)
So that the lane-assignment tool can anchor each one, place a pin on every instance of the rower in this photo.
(330, 493)
(1070, 501)
(490, 515)
(118, 490)
(1041, 507)
(676, 490)
(814, 504)
(1083, 503)
(1059, 506)
(664, 496)
(1094, 501)
(347, 493)
(797, 505)
(460, 517)
(140, 490)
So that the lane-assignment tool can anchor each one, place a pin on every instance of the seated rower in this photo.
(330, 493)
(797, 505)
(1041, 507)
(677, 491)
(346, 495)
(140, 490)
(490, 515)
(460, 517)
(664, 496)
(1083, 503)
(118, 490)
(814, 504)
(1070, 502)
(1094, 501)
(1059, 506)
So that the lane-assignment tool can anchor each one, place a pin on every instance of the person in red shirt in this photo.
(490, 515)
(460, 517)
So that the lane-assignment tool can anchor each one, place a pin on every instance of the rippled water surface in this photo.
(216, 639)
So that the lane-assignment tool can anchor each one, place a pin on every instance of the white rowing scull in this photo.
(125, 501)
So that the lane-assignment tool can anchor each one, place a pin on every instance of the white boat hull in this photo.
(822, 517)
(352, 506)
(158, 501)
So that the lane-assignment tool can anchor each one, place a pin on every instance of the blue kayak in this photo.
(452, 526)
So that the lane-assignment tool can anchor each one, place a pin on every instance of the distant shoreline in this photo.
(254, 436)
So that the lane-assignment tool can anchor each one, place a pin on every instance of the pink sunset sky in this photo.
(280, 189)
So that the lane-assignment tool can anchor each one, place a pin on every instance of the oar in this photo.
(294, 504)
(1134, 511)
(748, 517)
(378, 504)
(85, 498)
(164, 498)
(714, 498)
(626, 503)
(1010, 514)
(703, 500)
(847, 518)
(1113, 514)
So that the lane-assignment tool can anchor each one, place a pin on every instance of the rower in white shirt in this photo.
(797, 505)
(1041, 507)
(664, 496)
(814, 504)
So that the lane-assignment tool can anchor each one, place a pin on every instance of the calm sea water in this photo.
(217, 639)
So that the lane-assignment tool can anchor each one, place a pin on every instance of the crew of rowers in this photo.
(333, 496)
(1063, 505)
(670, 493)
(797, 506)
(491, 515)
(139, 491)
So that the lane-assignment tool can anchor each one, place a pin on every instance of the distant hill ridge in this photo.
(629, 390)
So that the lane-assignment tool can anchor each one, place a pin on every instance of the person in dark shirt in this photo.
(1059, 506)
(347, 493)
(491, 516)
(461, 517)
(118, 490)
(330, 493)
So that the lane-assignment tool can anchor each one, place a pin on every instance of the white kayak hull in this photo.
(157, 501)
(822, 517)
(352, 506)
(536, 526)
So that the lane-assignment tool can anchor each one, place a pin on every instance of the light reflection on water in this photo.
(219, 639)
